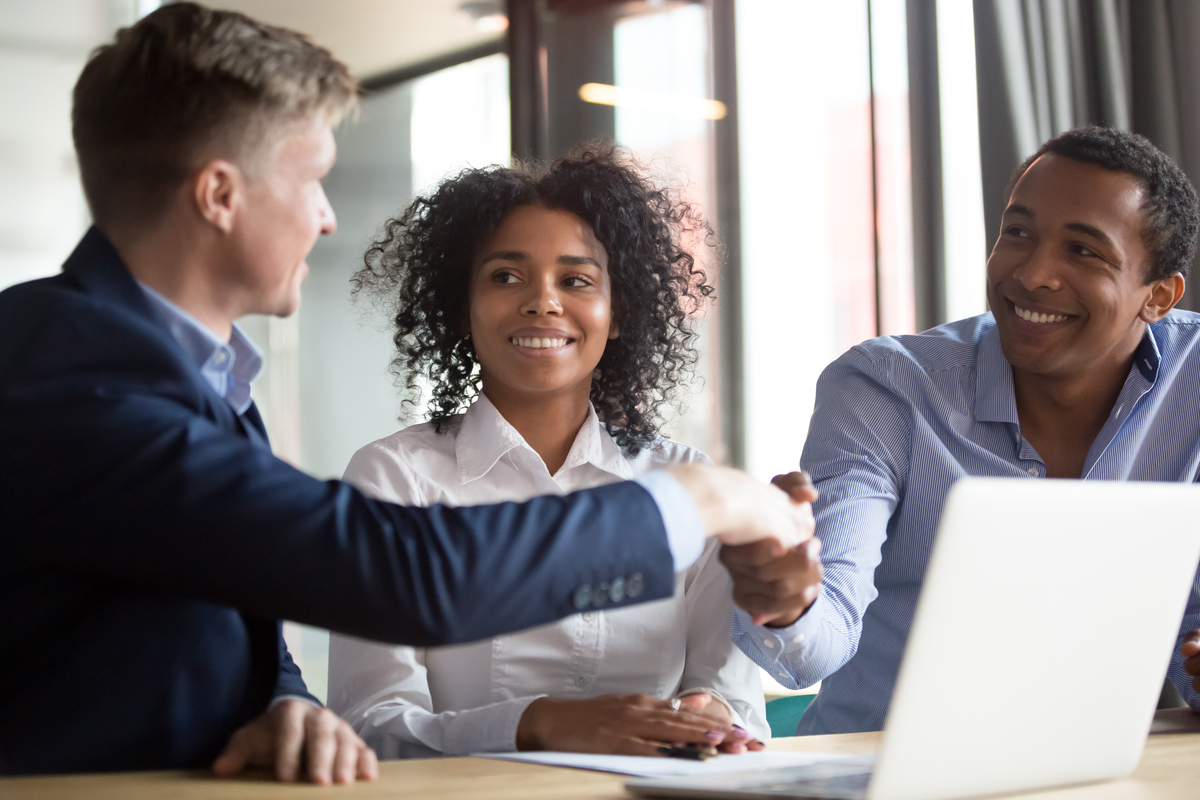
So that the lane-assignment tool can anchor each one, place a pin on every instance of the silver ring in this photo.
(676, 704)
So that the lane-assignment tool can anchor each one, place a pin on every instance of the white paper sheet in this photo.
(646, 767)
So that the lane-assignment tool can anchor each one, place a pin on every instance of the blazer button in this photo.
(635, 584)
(600, 596)
(583, 596)
(616, 592)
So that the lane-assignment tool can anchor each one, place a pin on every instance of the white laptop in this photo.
(1044, 629)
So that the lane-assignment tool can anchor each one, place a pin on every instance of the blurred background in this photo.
(852, 156)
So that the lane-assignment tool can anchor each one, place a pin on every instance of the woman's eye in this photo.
(504, 277)
(1014, 230)
(575, 280)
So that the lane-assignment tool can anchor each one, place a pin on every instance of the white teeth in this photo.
(538, 343)
(1033, 316)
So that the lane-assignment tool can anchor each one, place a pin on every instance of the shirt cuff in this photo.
(767, 646)
(681, 518)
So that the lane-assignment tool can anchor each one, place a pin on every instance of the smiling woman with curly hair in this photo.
(554, 305)
(421, 266)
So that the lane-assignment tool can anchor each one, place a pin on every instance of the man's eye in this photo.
(1083, 250)
(1014, 230)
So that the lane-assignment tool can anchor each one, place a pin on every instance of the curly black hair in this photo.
(419, 268)
(1172, 210)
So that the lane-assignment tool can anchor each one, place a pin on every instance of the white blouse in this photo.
(418, 702)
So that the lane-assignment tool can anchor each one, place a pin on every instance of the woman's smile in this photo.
(540, 306)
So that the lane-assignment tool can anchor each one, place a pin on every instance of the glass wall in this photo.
(825, 198)
(43, 47)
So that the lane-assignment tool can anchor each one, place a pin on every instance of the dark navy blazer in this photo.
(149, 542)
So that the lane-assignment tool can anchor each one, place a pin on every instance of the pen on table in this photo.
(686, 752)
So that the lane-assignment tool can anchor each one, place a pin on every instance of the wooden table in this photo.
(1170, 769)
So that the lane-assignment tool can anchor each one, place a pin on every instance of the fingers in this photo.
(774, 590)
(738, 509)
(239, 752)
(291, 728)
(289, 738)
(345, 763)
(653, 720)
(798, 486)
(321, 731)
(368, 764)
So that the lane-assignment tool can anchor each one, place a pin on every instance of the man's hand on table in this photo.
(774, 584)
(295, 732)
(738, 509)
(626, 724)
(1191, 657)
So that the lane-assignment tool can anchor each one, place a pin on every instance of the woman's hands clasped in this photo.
(630, 724)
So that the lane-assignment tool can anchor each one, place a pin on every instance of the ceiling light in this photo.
(605, 95)
(488, 15)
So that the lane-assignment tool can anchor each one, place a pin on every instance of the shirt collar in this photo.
(995, 399)
(228, 367)
(485, 436)
(1147, 357)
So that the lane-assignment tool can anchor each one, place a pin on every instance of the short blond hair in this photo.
(186, 84)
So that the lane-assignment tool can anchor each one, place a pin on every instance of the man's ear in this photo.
(1164, 294)
(217, 189)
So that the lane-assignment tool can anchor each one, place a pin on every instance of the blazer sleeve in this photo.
(114, 468)
(290, 683)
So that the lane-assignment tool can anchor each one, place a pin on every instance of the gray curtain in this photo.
(1045, 66)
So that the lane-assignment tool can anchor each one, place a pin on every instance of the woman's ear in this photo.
(614, 330)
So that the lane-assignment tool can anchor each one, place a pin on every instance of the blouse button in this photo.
(581, 682)
(1033, 471)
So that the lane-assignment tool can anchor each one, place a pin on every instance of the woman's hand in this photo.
(740, 741)
(623, 724)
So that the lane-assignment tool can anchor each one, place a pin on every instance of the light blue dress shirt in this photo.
(230, 367)
(897, 421)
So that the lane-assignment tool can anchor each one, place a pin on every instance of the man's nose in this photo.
(328, 218)
(542, 298)
(1040, 270)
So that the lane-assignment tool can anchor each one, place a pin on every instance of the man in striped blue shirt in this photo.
(1082, 370)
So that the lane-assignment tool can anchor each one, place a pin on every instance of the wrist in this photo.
(529, 728)
(785, 620)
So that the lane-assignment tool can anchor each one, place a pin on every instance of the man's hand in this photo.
(293, 728)
(622, 724)
(738, 509)
(777, 586)
(1191, 657)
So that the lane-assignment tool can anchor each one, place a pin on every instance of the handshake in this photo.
(767, 533)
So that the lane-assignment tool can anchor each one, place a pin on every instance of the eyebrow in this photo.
(520, 255)
(1079, 227)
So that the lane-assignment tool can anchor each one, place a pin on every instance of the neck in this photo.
(549, 423)
(176, 261)
(1062, 416)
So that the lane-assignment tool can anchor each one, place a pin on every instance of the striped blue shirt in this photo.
(897, 421)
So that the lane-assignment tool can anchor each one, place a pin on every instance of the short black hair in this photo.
(1172, 211)
(420, 267)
